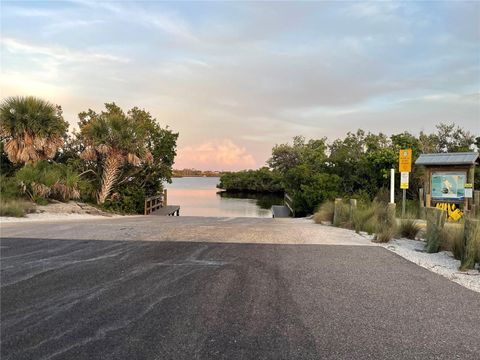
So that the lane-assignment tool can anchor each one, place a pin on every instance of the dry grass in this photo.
(452, 239)
(386, 223)
(16, 208)
(324, 213)
(409, 228)
(364, 218)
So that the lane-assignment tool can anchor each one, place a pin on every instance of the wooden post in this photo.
(337, 211)
(353, 208)
(428, 189)
(476, 203)
(421, 198)
(165, 197)
(476, 198)
(471, 241)
(391, 214)
(470, 179)
(435, 222)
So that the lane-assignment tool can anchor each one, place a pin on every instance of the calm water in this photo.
(198, 196)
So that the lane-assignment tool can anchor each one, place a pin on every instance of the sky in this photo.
(236, 78)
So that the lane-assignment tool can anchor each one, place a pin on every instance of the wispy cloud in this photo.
(59, 53)
(249, 73)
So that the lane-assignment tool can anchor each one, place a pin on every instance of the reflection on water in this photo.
(198, 196)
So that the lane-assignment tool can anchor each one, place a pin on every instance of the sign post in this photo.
(405, 167)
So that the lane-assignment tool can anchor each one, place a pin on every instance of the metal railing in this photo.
(289, 203)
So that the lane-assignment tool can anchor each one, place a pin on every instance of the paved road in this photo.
(188, 228)
(104, 299)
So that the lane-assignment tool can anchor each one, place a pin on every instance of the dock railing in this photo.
(154, 203)
(289, 203)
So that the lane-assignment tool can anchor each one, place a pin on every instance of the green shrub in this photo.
(45, 180)
(15, 208)
(409, 228)
(126, 199)
(324, 213)
(9, 188)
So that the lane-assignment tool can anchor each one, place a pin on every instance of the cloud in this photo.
(58, 53)
(250, 72)
(224, 155)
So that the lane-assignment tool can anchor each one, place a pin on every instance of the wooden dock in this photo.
(167, 210)
(157, 205)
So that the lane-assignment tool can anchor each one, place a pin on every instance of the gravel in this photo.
(442, 263)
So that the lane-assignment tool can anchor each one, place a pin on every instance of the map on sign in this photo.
(448, 186)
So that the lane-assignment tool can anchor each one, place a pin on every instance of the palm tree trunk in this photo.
(111, 168)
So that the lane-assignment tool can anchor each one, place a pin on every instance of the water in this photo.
(198, 196)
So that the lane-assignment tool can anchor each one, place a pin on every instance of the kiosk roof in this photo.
(460, 158)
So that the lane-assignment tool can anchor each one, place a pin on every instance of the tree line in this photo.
(115, 159)
(356, 166)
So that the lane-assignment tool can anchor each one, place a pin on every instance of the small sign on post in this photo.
(405, 160)
(405, 167)
(469, 190)
(404, 180)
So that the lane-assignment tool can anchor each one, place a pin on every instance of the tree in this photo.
(112, 138)
(286, 156)
(454, 139)
(31, 128)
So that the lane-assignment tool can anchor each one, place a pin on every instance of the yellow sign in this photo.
(405, 160)
(453, 211)
(404, 180)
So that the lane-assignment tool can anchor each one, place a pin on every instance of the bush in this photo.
(45, 180)
(261, 180)
(409, 228)
(15, 208)
(127, 199)
(324, 213)
(9, 188)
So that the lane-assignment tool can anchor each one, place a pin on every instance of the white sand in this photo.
(442, 263)
(58, 211)
(39, 217)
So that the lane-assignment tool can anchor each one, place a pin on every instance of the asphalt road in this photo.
(103, 299)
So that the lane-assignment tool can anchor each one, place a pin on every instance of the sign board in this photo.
(404, 180)
(405, 160)
(448, 186)
(469, 190)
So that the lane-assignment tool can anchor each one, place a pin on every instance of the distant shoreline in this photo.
(192, 176)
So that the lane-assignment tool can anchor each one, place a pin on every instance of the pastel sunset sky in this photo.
(235, 78)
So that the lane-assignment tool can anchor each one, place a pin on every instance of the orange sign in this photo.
(405, 160)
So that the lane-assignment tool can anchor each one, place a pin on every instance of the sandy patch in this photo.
(58, 211)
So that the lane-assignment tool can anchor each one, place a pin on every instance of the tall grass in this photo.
(364, 218)
(324, 213)
(341, 217)
(386, 223)
(409, 228)
(452, 239)
(15, 207)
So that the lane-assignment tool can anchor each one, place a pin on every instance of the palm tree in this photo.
(32, 129)
(112, 138)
